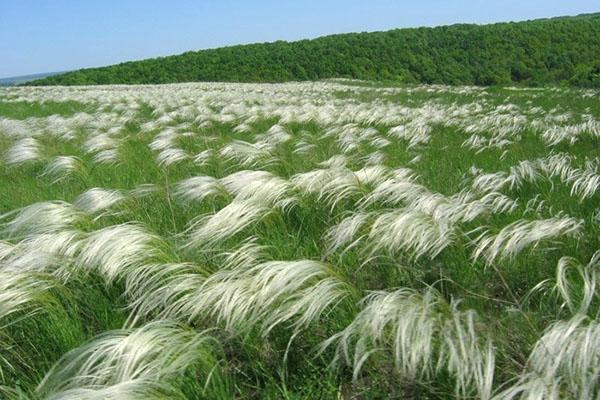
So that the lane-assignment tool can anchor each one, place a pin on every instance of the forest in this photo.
(555, 51)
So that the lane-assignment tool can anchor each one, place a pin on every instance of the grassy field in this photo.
(327, 240)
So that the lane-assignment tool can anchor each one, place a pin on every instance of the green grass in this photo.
(287, 363)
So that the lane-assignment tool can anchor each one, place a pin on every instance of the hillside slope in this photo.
(545, 51)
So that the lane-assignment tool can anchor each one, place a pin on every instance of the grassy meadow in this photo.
(319, 240)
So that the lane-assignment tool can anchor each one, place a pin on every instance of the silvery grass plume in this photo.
(410, 230)
(95, 200)
(24, 292)
(136, 389)
(164, 140)
(338, 183)
(208, 230)
(557, 165)
(437, 210)
(155, 287)
(23, 151)
(275, 136)
(260, 186)
(248, 154)
(492, 182)
(119, 363)
(42, 217)
(114, 250)
(588, 275)
(416, 133)
(108, 157)
(515, 237)
(335, 161)
(171, 156)
(100, 142)
(22, 295)
(151, 288)
(204, 157)
(524, 172)
(264, 295)
(422, 334)
(376, 158)
(5, 249)
(480, 143)
(342, 234)
(198, 188)
(571, 133)
(400, 187)
(14, 128)
(104, 147)
(304, 147)
(43, 252)
(462, 206)
(143, 190)
(585, 183)
(565, 363)
(61, 167)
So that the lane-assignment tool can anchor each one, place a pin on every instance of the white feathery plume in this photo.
(589, 275)
(375, 158)
(42, 217)
(416, 133)
(153, 287)
(204, 157)
(5, 249)
(563, 364)
(493, 182)
(524, 171)
(471, 362)
(586, 183)
(343, 233)
(144, 189)
(515, 237)
(498, 203)
(23, 151)
(231, 219)
(100, 142)
(171, 156)
(156, 352)
(410, 230)
(303, 147)
(116, 249)
(260, 186)
(338, 183)
(48, 252)
(95, 200)
(109, 157)
(62, 167)
(423, 335)
(22, 292)
(248, 154)
(336, 161)
(265, 295)
(198, 188)
(401, 187)
(136, 389)
(163, 140)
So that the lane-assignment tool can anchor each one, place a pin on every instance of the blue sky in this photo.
(56, 35)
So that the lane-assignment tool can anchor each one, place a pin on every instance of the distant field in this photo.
(319, 240)
(17, 80)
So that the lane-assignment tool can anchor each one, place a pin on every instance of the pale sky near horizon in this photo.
(57, 35)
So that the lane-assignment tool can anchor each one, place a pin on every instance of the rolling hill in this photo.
(563, 50)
